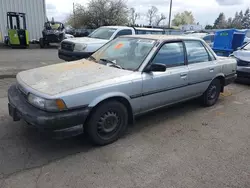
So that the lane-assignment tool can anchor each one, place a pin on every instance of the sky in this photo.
(204, 11)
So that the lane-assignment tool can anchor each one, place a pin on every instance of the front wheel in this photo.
(107, 123)
(212, 93)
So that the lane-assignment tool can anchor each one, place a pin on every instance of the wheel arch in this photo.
(221, 77)
(120, 97)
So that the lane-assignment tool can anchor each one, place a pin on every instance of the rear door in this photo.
(201, 65)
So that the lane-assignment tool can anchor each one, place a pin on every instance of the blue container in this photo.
(227, 41)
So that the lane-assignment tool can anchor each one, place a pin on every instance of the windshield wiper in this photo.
(92, 58)
(113, 64)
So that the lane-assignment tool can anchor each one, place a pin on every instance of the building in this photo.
(191, 27)
(35, 11)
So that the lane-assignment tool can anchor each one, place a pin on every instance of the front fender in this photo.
(105, 96)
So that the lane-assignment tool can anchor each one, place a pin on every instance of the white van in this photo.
(83, 47)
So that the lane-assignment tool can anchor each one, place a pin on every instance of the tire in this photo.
(107, 123)
(41, 41)
(211, 95)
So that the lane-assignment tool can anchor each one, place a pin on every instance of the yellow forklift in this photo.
(18, 35)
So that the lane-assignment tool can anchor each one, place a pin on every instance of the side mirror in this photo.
(156, 67)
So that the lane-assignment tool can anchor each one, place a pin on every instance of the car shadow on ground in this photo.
(33, 149)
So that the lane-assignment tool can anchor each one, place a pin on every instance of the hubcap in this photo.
(108, 124)
(212, 92)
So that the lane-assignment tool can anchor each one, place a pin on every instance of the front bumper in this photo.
(72, 56)
(243, 72)
(60, 124)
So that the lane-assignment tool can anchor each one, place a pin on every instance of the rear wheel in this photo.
(107, 123)
(42, 44)
(212, 93)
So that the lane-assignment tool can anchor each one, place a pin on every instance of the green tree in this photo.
(229, 22)
(98, 13)
(208, 27)
(220, 22)
(246, 19)
(237, 21)
(183, 18)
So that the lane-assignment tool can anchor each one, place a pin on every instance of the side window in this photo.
(170, 54)
(124, 32)
(196, 53)
(248, 34)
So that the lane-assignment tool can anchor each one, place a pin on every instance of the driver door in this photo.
(163, 88)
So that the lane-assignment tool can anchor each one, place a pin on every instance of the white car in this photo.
(247, 38)
(83, 47)
(242, 56)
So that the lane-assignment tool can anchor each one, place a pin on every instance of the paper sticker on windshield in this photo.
(118, 46)
(146, 41)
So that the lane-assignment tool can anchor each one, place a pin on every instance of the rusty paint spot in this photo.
(220, 113)
(70, 66)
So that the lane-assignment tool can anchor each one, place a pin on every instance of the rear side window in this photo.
(196, 52)
(124, 32)
(171, 54)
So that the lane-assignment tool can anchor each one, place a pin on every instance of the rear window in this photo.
(149, 32)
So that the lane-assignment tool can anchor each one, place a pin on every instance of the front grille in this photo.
(242, 63)
(67, 46)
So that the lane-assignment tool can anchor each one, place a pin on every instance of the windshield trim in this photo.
(243, 47)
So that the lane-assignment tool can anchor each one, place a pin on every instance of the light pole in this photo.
(74, 15)
(170, 13)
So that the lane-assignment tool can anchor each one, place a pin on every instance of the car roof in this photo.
(136, 28)
(148, 29)
(116, 27)
(164, 37)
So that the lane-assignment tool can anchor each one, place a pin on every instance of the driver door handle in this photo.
(183, 75)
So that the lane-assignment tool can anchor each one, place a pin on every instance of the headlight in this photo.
(79, 47)
(47, 104)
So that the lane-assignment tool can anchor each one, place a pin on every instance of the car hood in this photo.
(243, 55)
(86, 40)
(56, 79)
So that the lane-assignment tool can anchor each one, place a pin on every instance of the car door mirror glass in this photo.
(156, 67)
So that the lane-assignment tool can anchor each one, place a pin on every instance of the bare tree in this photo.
(151, 14)
(133, 16)
(159, 19)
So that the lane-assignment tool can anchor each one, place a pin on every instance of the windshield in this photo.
(127, 53)
(247, 47)
(54, 26)
(103, 33)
